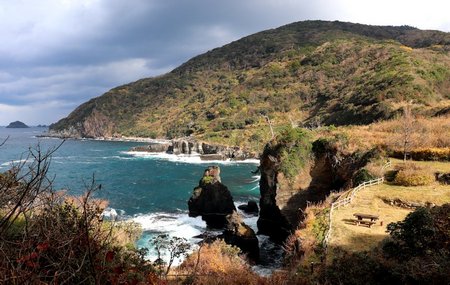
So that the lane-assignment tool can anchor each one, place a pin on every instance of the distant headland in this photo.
(16, 125)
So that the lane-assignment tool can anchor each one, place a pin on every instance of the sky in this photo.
(57, 54)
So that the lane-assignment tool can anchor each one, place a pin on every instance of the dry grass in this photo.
(427, 133)
(218, 263)
(370, 200)
(431, 166)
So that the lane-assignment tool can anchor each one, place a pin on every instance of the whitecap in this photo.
(173, 224)
(185, 158)
(176, 224)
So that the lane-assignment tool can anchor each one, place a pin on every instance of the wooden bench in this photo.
(365, 219)
(361, 217)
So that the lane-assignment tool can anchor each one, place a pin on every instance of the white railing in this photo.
(348, 197)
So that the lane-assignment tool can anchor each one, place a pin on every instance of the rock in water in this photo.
(16, 125)
(211, 199)
(239, 234)
(250, 208)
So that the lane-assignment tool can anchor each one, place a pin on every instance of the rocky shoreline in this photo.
(190, 146)
(183, 146)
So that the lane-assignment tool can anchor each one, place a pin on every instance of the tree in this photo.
(48, 237)
(407, 130)
(174, 247)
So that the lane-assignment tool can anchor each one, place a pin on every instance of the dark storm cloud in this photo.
(56, 54)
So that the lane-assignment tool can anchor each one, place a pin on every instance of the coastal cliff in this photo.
(295, 172)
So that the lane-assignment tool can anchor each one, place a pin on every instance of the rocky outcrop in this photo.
(155, 147)
(239, 234)
(211, 199)
(407, 204)
(250, 208)
(282, 201)
(213, 202)
(205, 150)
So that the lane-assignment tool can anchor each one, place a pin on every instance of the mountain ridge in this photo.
(304, 73)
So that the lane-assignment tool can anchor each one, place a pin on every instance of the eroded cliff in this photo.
(308, 177)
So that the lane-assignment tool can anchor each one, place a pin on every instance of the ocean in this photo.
(150, 189)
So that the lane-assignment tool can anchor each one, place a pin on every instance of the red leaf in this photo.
(109, 256)
(42, 246)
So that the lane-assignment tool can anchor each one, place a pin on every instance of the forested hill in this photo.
(306, 73)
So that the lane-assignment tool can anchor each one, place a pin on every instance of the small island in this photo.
(16, 125)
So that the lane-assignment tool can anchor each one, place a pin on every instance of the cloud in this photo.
(61, 53)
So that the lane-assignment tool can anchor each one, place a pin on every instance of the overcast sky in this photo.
(57, 54)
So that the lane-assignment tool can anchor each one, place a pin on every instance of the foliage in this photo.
(294, 147)
(413, 175)
(417, 252)
(315, 73)
(422, 230)
(430, 153)
(362, 176)
(207, 180)
(218, 263)
(49, 237)
(174, 247)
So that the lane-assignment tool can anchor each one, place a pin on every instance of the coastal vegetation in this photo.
(328, 105)
(311, 74)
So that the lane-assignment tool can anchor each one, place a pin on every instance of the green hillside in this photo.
(306, 73)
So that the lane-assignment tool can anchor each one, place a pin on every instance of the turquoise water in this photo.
(150, 189)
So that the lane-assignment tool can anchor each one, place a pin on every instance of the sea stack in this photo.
(211, 199)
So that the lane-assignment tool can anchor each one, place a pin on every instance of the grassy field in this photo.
(370, 201)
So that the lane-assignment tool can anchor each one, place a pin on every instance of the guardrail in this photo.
(348, 197)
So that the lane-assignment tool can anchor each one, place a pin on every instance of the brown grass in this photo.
(219, 263)
(427, 133)
(370, 200)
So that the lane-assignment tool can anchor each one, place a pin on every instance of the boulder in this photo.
(250, 208)
(211, 199)
(239, 234)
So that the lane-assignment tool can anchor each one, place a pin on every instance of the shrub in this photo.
(426, 154)
(362, 176)
(218, 263)
(50, 238)
(294, 149)
(413, 177)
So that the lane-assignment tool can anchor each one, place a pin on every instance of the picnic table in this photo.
(365, 219)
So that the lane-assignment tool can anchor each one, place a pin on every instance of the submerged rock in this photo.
(211, 199)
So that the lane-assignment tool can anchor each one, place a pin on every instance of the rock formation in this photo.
(211, 199)
(155, 147)
(239, 234)
(250, 208)
(213, 202)
(205, 150)
(282, 201)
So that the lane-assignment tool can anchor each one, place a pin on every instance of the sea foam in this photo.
(185, 158)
